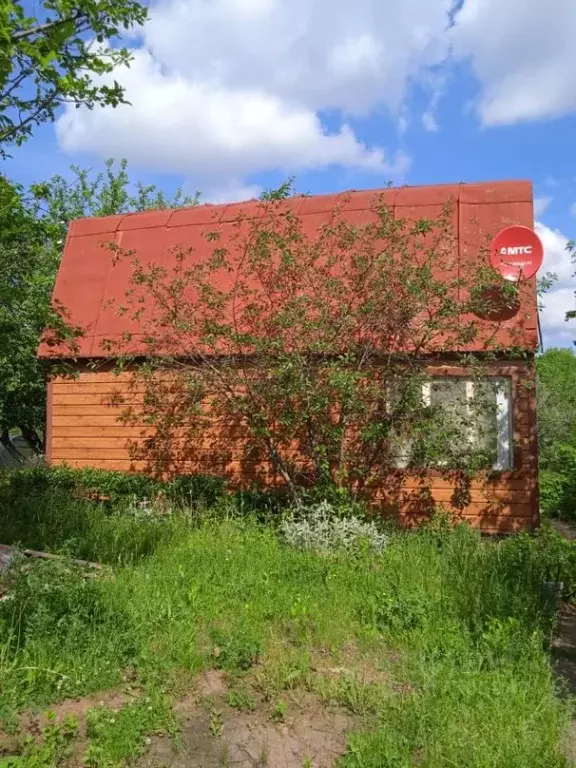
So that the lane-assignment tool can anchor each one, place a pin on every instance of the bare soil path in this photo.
(564, 644)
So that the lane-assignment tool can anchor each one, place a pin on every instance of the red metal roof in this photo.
(88, 282)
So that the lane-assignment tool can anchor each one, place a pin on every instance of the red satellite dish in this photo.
(517, 253)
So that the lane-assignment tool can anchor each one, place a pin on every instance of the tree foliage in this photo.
(52, 57)
(59, 201)
(556, 404)
(308, 354)
(571, 248)
(557, 431)
(26, 273)
(33, 228)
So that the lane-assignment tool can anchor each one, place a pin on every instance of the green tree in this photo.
(571, 248)
(33, 227)
(25, 270)
(556, 404)
(557, 431)
(59, 201)
(310, 355)
(51, 58)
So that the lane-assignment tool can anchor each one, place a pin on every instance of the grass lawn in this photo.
(215, 639)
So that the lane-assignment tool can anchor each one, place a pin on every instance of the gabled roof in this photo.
(88, 282)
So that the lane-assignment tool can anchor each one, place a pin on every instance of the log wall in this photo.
(84, 431)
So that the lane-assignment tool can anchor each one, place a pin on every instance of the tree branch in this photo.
(11, 449)
(17, 81)
(8, 133)
(38, 29)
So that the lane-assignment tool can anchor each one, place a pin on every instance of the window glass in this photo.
(469, 425)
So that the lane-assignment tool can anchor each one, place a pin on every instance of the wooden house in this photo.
(82, 422)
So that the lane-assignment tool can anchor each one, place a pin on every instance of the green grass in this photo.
(55, 746)
(55, 521)
(453, 628)
(118, 736)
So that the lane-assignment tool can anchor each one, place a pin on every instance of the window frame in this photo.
(504, 448)
(504, 417)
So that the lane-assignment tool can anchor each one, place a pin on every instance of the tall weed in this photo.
(457, 623)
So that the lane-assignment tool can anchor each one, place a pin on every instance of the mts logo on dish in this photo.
(517, 250)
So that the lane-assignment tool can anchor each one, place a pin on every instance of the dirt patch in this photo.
(564, 528)
(7, 556)
(33, 722)
(362, 665)
(222, 738)
(362, 674)
(212, 683)
(215, 735)
(564, 647)
(30, 724)
(563, 650)
(563, 653)
(9, 745)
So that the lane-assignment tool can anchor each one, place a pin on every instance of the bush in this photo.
(323, 528)
(113, 517)
(55, 519)
(552, 486)
(115, 488)
(264, 505)
(195, 489)
(558, 485)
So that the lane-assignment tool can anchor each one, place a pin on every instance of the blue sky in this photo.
(230, 96)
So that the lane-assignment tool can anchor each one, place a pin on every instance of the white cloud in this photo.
(429, 122)
(541, 205)
(403, 121)
(560, 299)
(434, 82)
(223, 89)
(177, 125)
(556, 258)
(323, 54)
(227, 88)
(232, 192)
(524, 57)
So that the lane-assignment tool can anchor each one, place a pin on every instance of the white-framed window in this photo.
(473, 417)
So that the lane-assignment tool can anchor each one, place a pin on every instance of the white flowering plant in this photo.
(322, 528)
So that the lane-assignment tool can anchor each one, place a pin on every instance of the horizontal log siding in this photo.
(84, 431)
